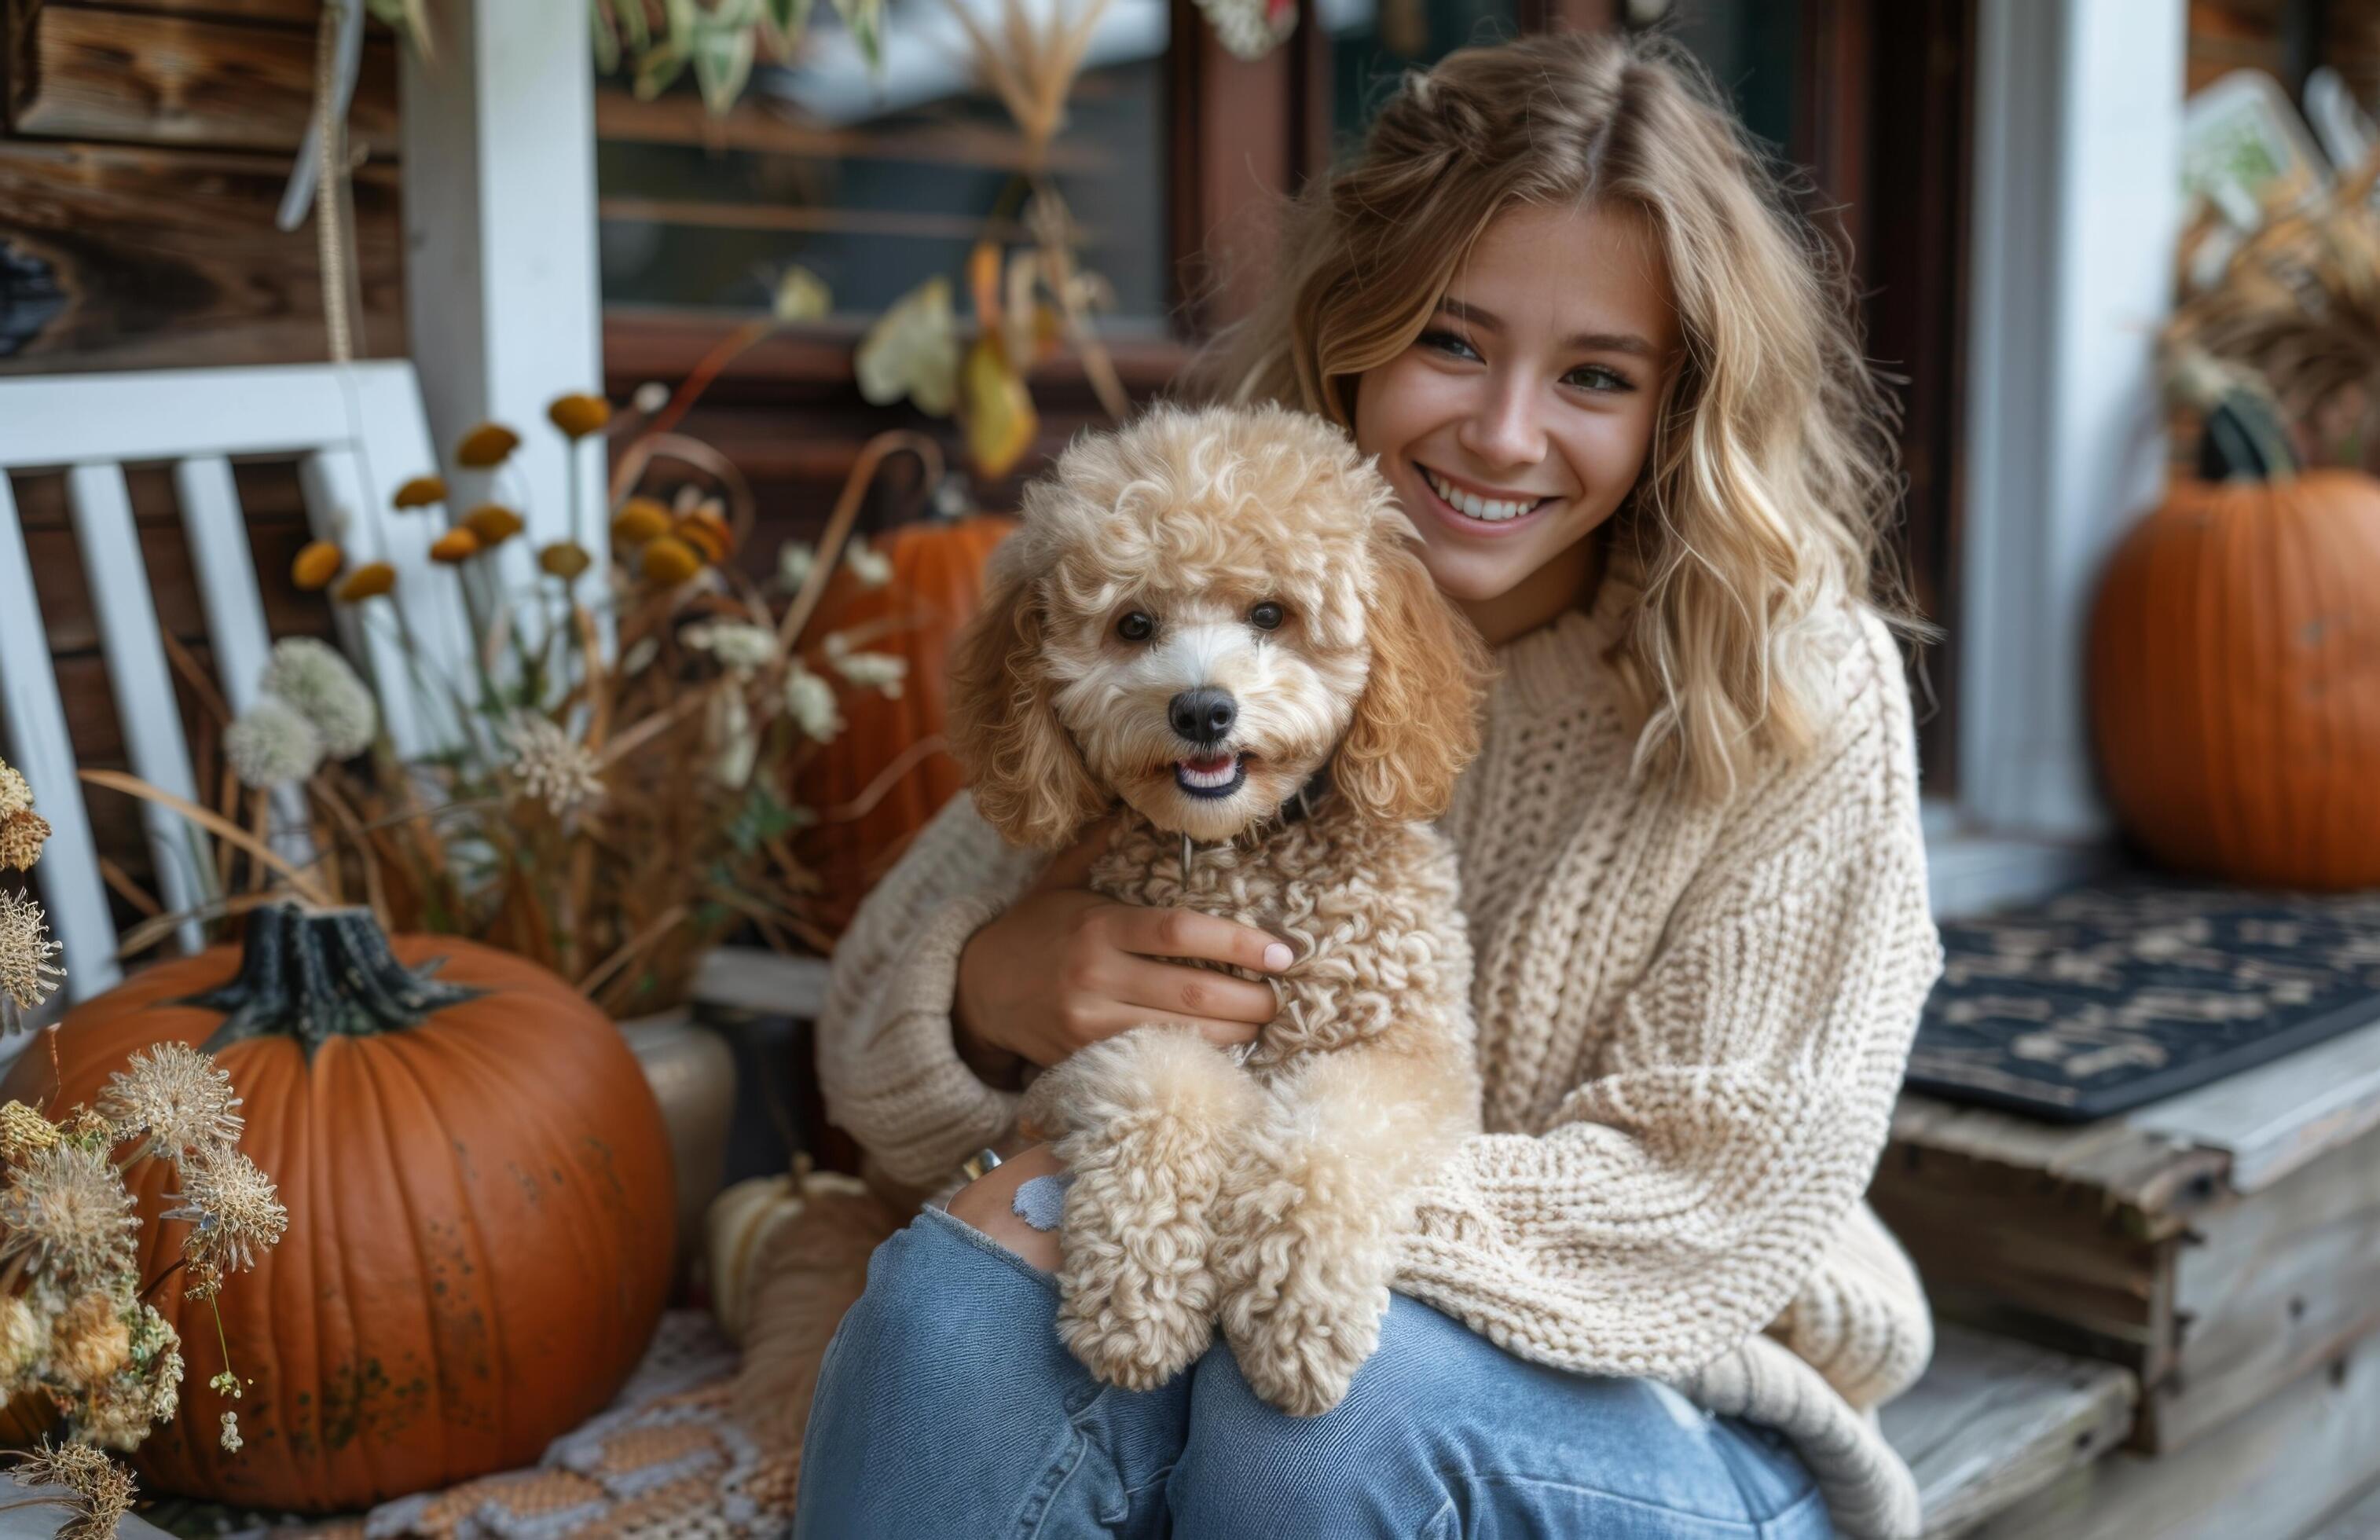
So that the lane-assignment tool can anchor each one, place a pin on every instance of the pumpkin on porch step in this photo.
(936, 587)
(480, 1214)
(2235, 680)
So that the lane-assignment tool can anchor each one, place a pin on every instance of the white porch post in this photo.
(2077, 201)
(502, 301)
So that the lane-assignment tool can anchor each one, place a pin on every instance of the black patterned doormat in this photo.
(2121, 992)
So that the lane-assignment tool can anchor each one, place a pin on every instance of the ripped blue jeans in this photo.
(947, 1408)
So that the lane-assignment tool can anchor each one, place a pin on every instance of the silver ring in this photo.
(976, 1165)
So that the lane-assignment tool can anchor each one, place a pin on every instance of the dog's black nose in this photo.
(1203, 715)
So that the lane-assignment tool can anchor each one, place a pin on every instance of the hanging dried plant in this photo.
(2297, 306)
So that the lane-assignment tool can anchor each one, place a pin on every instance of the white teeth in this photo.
(1486, 510)
(1221, 777)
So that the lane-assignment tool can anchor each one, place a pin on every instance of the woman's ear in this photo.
(1029, 782)
(1417, 723)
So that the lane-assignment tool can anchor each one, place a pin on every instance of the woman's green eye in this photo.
(1266, 617)
(1135, 627)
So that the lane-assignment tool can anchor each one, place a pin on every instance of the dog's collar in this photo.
(1297, 810)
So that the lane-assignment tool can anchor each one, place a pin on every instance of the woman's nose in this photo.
(1504, 432)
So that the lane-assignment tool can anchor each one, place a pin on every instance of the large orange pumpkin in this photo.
(936, 587)
(479, 1199)
(2235, 678)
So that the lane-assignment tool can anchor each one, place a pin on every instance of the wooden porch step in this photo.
(2223, 1246)
(1996, 1421)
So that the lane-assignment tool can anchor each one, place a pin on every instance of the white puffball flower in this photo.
(272, 744)
(312, 675)
(873, 568)
(740, 645)
(795, 562)
(883, 670)
(809, 700)
(651, 397)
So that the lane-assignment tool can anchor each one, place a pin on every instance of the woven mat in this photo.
(667, 1462)
(2119, 992)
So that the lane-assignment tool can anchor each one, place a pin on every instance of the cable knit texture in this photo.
(1692, 1019)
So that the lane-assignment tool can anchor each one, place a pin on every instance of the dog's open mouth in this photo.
(1217, 775)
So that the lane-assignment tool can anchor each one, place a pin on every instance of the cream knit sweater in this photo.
(1692, 1019)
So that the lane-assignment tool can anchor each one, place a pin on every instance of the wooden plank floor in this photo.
(1996, 1421)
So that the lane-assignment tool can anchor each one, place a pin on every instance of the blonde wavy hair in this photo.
(1773, 470)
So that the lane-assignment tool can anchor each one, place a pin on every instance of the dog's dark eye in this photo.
(1266, 617)
(1135, 627)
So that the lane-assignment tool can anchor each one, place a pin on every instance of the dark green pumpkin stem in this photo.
(2245, 441)
(319, 975)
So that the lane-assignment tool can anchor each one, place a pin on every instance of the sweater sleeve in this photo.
(888, 1064)
(1680, 1198)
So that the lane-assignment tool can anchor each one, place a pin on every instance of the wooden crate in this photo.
(2221, 1245)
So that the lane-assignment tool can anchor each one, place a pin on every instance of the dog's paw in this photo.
(1299, 1341)
(1136, 1298)
(1132, 1325)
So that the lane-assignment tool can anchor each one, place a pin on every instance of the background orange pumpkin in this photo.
(2235, 680)
(478, 1186)
(937, 584)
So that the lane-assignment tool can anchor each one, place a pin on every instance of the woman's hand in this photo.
(1065, 967)
(988, 1204)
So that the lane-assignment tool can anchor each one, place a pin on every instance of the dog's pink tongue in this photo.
(1209, 765)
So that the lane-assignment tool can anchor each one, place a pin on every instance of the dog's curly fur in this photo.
(1269, 1194)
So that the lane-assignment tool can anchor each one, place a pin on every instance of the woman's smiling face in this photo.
(1518, 421)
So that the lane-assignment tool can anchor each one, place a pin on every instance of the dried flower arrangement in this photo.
(79, 1339)
(2292, 316)
(610, 799)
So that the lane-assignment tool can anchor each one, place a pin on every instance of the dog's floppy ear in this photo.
(1029, 782)
(1417, 723)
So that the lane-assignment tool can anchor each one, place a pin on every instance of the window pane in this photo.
(1373, 42)
(878, 183)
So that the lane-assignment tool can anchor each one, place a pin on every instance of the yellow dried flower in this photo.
(455, 546)
(423, 492)
(706, 531)
(23, 1130)
(578, 416)
(316, 565)
(487, 446)
(564, 559)
(22, 1338)
(638, 520)
(670, 561)
(16, 795)
(20, 839)
(103, 1489)
(369, 581)
(89, 1340)
(178, 1095)
(494, 524)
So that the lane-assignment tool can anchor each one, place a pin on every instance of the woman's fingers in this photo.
(1155, 931)
(1196, 994)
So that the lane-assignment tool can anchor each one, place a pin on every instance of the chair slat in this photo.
(332, 483)
(225, 569)
(142, 683)
(39, 748)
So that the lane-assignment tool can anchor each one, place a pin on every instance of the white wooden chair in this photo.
(357, 432)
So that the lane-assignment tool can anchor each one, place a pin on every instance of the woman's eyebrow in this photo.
(1584, 342)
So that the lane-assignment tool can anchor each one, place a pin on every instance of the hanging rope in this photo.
(331, 236)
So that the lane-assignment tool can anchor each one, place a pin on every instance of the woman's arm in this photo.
(888, 1061)
(1689, 1191)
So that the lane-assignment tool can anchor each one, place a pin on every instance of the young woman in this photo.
(1612, 377)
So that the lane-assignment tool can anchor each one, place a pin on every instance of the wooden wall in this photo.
(144, 145)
